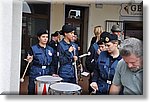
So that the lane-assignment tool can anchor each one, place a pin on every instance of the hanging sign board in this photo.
(131, 9)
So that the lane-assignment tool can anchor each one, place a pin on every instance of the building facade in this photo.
(18, 28)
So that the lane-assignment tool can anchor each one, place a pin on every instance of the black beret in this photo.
(106, 37)
(42, 31)
(67, 28)
(111, 37)
(103, 36)
(60, 32)
(55, 34)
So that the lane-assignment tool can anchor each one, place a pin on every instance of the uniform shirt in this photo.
(131, 81)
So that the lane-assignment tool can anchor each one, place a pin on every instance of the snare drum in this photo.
(42, 84)
(64, 88)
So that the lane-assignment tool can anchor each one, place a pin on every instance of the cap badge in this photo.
(106, 39)
(46, 31)
(50, 53)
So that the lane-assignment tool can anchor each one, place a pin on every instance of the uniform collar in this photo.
(118, 58)
(66, 42)
(41, 46)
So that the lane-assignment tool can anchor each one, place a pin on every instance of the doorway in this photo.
(77, 16)
(133, 29)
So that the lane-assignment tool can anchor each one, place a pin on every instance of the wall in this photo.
(98, 16)
(5, 39)
(10, 41)
(16, 46)
(10, 35)
(57, 16)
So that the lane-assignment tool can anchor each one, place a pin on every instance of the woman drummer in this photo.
(41, 56)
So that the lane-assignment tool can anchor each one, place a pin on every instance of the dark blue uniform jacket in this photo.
(104, 72)
(66, 59)
(54, 45)
(42, 64)
(91, 60)
(42, 57)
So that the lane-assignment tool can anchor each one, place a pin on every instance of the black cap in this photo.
(67, 28)
(115, 28)
(106, 37)
(42, 31)
(110, 38)
(55, 34)
(103, 36)
(60, 32)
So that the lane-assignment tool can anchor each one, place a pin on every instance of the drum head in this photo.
(64, 86)
(48, 79)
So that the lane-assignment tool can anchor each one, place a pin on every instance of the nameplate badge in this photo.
(108, 82)
(43, 67)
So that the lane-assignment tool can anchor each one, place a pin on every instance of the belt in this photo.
(42, 66)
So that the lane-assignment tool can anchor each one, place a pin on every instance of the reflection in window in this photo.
(74, 14)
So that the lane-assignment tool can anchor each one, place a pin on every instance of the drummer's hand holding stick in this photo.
(94, 87)
(29, 60)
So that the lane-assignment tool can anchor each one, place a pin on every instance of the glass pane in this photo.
(34, 24)
(74, 14)
(33, 41)
(78, 31)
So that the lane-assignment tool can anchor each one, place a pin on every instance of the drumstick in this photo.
(76, 72)
(22, 78)
(75, 65)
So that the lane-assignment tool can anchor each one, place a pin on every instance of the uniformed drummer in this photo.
(95, 50)
(68, 52)
(41, 56)
(106, 65)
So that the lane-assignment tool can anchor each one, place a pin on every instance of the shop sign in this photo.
(131, 10)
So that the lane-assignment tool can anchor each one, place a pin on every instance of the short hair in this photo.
(131, 46)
